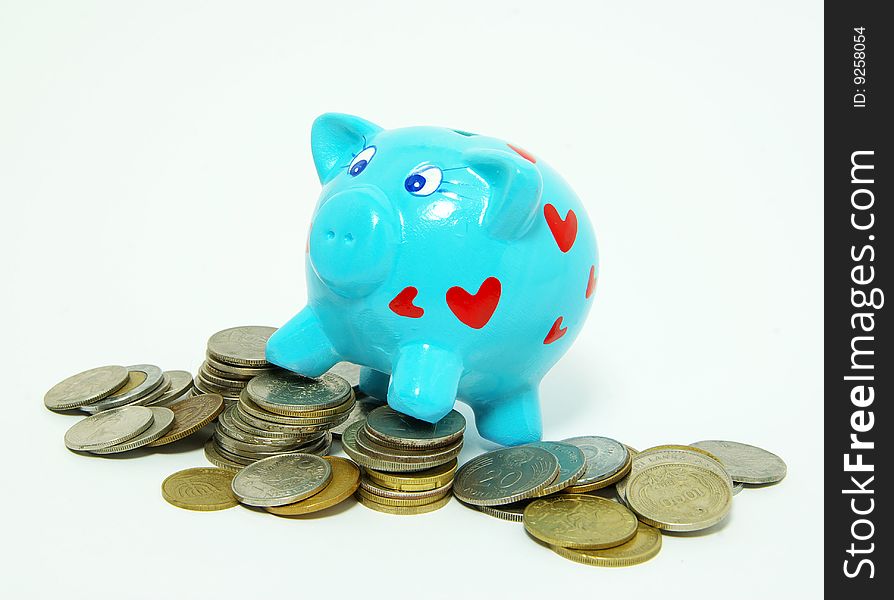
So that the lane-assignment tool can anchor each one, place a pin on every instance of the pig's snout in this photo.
(353, 241)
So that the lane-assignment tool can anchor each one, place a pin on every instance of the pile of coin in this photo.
(131, 427)
(274, 429)
(232, 358)
(664, 488)
(576, 465)
(409, 465)
(119, 429)
(279, 413)
(114, 386)
(286, 485)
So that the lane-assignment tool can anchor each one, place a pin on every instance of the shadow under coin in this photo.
(702, 532)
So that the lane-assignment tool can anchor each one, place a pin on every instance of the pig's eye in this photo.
(361, 160)
(424, 182)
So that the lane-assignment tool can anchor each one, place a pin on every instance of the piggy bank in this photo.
(449, 265)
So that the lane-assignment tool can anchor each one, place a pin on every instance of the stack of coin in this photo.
(233, 356)
(584, 464)
(280, 413)
(663, 488)
(105, 388)
(409, 464)
(500, 482)
(288, 485)
(536, 484)
(119, 429)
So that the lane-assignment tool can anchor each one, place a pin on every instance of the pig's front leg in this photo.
(302, 346)
(424, 381)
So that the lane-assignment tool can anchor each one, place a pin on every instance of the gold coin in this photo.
(602, 483)
(404, 510)
(344, 482)
(190, 415)
(682, 447)
(200, 488)
(579, 521)
(679, 496)
(419, 481)
(654, 457)
(381, 491)
(424, 498)
(644, 545)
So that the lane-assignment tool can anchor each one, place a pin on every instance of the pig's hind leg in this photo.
(302, 346)
(509, 420)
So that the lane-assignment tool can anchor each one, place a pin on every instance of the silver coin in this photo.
(349, 443)
(319, 447)
(108, 428)
(746, 463)
(441, 454)
(289, 391)
(238, 446)
(233, 385)
(162, 421)
(142, 379)
(153, 396)
(572, 465)
(226, 423)
(362, 408)
(236, 371)
(241, 345)
(508, 512)
(604, 456)
(237, 422)
(247, 405)
(505, 476)
(208, 368)
(347, 371)
(231, 456)
(206, 388)
(274, 426)
(181, 383)
(389, 427)
(281, 480)
(222, 380)
(84, 388)
(219, 460)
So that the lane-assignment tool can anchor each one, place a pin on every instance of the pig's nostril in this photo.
(349, 237)
(330, 234)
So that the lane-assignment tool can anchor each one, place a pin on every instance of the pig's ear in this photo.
(514, 189)
(335, 138)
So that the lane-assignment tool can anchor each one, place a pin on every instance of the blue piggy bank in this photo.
(449, 265)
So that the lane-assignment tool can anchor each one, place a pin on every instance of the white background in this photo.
(156, 186)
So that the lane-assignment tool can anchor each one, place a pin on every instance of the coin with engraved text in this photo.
(282, 479)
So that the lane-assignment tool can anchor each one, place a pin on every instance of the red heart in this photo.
(475, 310)
(403, 304)
(591, 283)
(563, 230)
(555, 332)
(523, 153)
